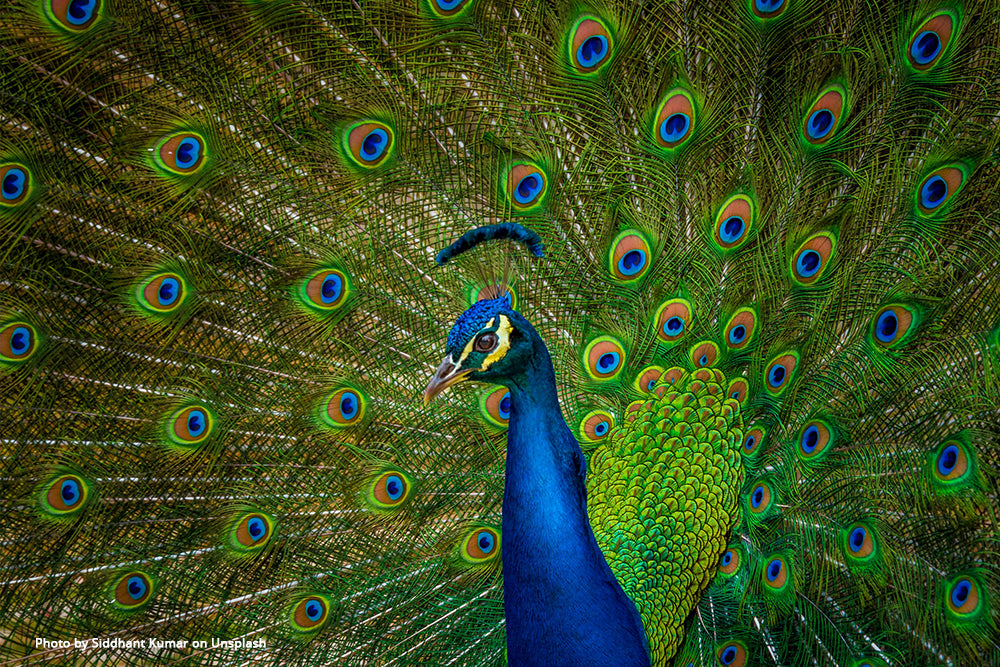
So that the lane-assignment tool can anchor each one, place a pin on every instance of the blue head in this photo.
(490, 341)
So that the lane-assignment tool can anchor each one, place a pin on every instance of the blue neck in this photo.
(563, 605)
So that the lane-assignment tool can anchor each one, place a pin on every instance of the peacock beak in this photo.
(448, 373)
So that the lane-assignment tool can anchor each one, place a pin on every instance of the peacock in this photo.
(484, 332)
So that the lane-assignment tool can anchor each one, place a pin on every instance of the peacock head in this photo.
(490, 341)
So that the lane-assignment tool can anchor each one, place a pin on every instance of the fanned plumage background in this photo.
(96, 378)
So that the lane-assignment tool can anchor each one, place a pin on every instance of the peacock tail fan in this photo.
(770, 235)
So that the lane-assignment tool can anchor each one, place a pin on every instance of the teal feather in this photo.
(219, 308)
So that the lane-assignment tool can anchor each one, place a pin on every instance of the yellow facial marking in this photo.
(503, 346)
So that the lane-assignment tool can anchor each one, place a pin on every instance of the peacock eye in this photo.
(486, 342)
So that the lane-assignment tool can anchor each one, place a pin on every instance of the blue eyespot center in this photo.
(810, 437)
(925, 47)
(256, 528)
(448, 5)
(70, 492)
(608, 362)
(374, 144)
(196, 423)
(728, 655)
(768, 6)
(727, 558)
(20, 340)
(168, 292)
(188, 152)
(758, 497)
(776, 377)
(80, 11)
(857, 539)
(749, 443)
(348, 405)
(820, 123)
(674, 127)
(703, 360)
(504, 406)
(136, 587)
(960, 592)
(601, 429)
(934, 192)
(485, 541)
(632, 262)
(593, 50)
(947, 460)
(528, 188)
(331, 288)
(732, 229)
(394, 487)
(673, 326)
(774, 569)
(808, 263)
(737, 334)
(314, 610)
(13, 183)
(886, 326)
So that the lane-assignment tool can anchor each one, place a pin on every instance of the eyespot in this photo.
(675, 120)
(767, 9)
(65, 495)
(252, 532)
(741, 329)
(815, 440)
(629, 257)
(496, 406)
(326, 290)
(590, 45)
(486, 342)
(929, 41)
(183, 153)
(780, 371)
(704, 354)
(647, 379)
(733, 222)
(776, 573)
(673, 319)
(368, 143)
(825, 115)
(604, 358)
(344, 407)
(892, 324)
(738, 390)
(963, 596)
(389, 490)
(162, 293)
(490, 292)
(73, 15)
(190, 426)
(15, 184)
(812, 258)
(18, 342)
(449, 9)
(951, 463)
(481, 545)
(752, 441)
(132, 590)
(310, 614)
(938, 188)
(860, 542)
(760, 498)
(730, 561)
(732, 654)
(596, 425)
(526, 186)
